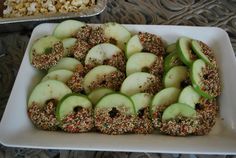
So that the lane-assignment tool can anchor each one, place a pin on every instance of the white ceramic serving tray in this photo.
(16, 130)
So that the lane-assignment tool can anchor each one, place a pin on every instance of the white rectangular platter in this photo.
(16, 130)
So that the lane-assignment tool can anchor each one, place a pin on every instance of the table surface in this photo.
(167, 12)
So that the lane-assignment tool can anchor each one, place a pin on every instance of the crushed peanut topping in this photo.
(78, 121)
(112, 80)
(142, 122)
(45, 61)
(152, 43)
(109, 122)
(43, 117)
(210, 81)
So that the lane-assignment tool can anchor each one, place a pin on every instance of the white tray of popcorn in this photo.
(12, 11)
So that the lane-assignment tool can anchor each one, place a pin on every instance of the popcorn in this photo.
(16, 8)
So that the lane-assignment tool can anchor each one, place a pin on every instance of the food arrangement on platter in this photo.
(105, 79)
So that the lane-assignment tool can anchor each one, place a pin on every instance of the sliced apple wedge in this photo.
(176, 77)
(67, 28)
(205, 79)
(71, 103)
(98, 93)
(178, 109)
(68, 43)
(50, 89)
(172, 60)
(67, 63)
(185, 51)
(133, 46)
(117, 32)
(171, 48)
(141, 101)
(164, 98)
(102, 53)
(103, 76)
(60, 75)
(189, 96)
(140, 62)
(114, 111)
(43, 45)
(140, 82)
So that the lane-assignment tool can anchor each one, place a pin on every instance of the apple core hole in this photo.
(113, 112)
(77, 108)
(140, 113)
(145, 69)
(184, 83)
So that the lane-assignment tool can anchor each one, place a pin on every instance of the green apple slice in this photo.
(98, 93)
(184, 51)
(133, 45)
(203, 51)
(95, 74)
(117, 32)
(50, 89)
(60, 75)
(178, 109)
(189, 96)
(114, 100)
(67, 63)
(175, 76)
(171, 48)
(68, 43)
(172, 60)
(165, 97)
(67, 28)
(141, 101)
(101, 52)
(70, 103)
(140, 62)
(138, 82)
(197, 77)
(43, 45)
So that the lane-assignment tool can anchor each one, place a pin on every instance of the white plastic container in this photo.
(16, 130)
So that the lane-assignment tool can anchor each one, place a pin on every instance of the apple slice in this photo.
(204, 52)
(140, 62)
(189, 96)
(185, 51)
(140, 82)
(103, 76)
(67, 63)
(164, 98)
(114, 114)
(68, 43)
(43, 45)
(75, 113)
(60, 75)
(143, 123)
(171, 60)
(176, 77)
(133, 45)
(44, 91)
(205, 79)
(101, 53)
(116, 100)
(178, 109)
(141, 101)
(117, 32)
(98, 93)
(67, 28)
(71, 103)
(171, 48)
